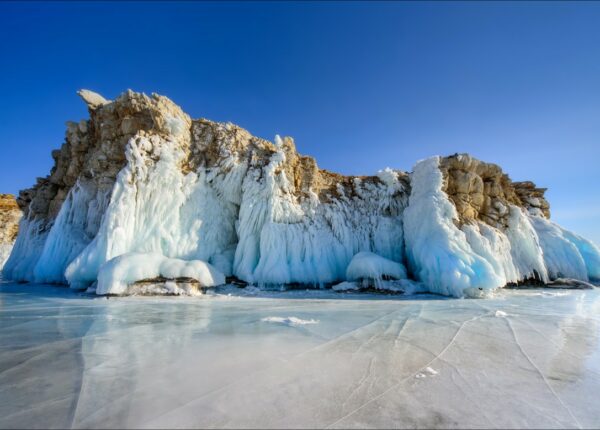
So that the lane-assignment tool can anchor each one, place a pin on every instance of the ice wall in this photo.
(269, 238)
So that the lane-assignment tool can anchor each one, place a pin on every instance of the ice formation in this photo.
(141, 188)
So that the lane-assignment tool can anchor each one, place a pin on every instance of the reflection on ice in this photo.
(521, 359)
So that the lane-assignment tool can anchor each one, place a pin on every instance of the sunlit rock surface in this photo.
(522, 359)
(10, 214)
(140, 176)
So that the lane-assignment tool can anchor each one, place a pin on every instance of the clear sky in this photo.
(360, 86)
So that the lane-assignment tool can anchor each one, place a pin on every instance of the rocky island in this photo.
(142, 197)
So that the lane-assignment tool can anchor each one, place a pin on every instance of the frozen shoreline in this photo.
(525, 358)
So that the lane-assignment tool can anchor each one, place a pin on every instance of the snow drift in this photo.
(140, 188)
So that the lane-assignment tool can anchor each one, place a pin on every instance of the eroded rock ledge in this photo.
(140, 176)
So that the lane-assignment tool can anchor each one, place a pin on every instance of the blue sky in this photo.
(360, 86)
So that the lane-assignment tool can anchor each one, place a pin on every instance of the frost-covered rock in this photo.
(10, 214)
(140, 177)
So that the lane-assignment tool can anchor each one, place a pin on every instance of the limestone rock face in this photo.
(140, 176)
(481, 191)
(10, 214)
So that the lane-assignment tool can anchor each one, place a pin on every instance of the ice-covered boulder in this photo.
(367, 266)
(119, 274)
(140, 176)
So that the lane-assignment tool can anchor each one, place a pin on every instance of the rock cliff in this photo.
(140, 177)
(10, 214)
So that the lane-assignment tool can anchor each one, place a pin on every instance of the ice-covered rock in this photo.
(118, 274)
(10, 214)
(367, 266)
(140, 177)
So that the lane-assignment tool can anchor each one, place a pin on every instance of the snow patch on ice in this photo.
(427, 372)
(500, 314)
(290, 321)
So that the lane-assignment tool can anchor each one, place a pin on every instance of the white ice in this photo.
(70, 360)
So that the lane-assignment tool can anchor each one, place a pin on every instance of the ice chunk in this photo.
(346, 286)
(117, 274)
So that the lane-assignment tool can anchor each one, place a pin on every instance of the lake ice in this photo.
(247, 358)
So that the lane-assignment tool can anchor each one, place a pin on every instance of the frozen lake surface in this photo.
(298, 359)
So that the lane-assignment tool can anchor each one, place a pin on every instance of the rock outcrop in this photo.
(10, 214)
(481, 191)
(140, 176)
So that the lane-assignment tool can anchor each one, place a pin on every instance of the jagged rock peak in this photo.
(92, 100)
